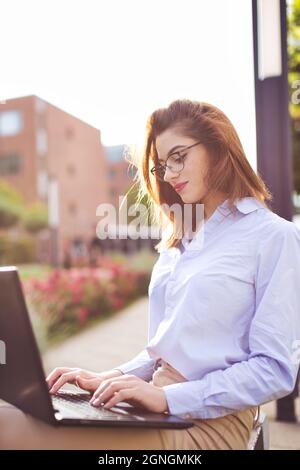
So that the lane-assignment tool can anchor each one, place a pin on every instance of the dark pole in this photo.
(274, 158)
(273, 130)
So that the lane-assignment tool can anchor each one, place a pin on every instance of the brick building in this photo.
(49, 155)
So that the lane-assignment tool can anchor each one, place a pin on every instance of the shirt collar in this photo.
(244, 205)
(249, 204)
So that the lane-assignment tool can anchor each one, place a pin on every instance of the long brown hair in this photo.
(229, 172)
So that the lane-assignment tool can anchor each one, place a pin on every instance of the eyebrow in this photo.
(172, 150)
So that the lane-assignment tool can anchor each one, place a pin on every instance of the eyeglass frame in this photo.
(165, 166)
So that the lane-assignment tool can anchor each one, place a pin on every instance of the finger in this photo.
(68, 377)
(55, 374)
(88, 384)
(107, 382)
(114, 387)
(122, 395)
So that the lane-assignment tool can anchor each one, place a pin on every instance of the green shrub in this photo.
(11, 205)
(21, 250)
(66, 300)
(35, 217)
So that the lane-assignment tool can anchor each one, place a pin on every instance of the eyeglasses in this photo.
(175, 163)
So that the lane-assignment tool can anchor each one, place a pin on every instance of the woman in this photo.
(222, 298)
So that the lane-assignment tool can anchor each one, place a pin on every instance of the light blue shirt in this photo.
(225, 312)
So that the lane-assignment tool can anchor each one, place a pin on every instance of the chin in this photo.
(186, 200)
(189, 199)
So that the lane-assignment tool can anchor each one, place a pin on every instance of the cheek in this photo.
(196, 169)
(199, 170)
(196, 188)
(196, 177)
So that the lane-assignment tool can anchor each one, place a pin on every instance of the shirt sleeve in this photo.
(141, 365)
(270, 371)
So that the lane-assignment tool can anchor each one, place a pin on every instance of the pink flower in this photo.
(83, 315)
(117, 303)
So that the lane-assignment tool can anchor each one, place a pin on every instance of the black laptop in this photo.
(22, 379)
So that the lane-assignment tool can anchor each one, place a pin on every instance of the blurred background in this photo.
(78, 81)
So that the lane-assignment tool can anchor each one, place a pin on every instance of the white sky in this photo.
(112, 62)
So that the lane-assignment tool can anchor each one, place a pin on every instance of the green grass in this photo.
(141, 260)
(33, 271)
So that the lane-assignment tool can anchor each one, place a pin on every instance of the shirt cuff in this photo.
(187, 400)
(180, 400)
(144, 371)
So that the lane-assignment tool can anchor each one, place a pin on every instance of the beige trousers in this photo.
(21, 431)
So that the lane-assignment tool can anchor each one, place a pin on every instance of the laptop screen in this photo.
(22, 379)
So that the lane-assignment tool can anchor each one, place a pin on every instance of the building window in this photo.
(10, 123)
(41, 141)
(42, 183)
(10, 164)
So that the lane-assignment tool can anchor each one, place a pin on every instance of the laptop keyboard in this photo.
(81, 407)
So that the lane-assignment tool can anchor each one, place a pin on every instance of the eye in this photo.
(178, 157)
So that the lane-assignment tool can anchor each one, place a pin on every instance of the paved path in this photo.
(119, 339)
(115, 340)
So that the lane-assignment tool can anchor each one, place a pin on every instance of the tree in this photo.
(286, 405)
(293, 15)
(11, 205)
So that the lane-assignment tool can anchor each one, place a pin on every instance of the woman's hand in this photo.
(133, 390)
(85, 379)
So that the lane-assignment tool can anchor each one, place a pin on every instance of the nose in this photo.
(170, 175)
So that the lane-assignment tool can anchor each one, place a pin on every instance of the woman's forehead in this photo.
(169, 142)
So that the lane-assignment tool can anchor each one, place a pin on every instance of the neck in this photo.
(211, 203)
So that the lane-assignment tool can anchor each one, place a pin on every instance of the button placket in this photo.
(172, 278)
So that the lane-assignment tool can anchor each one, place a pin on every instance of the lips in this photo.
(178, 187)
